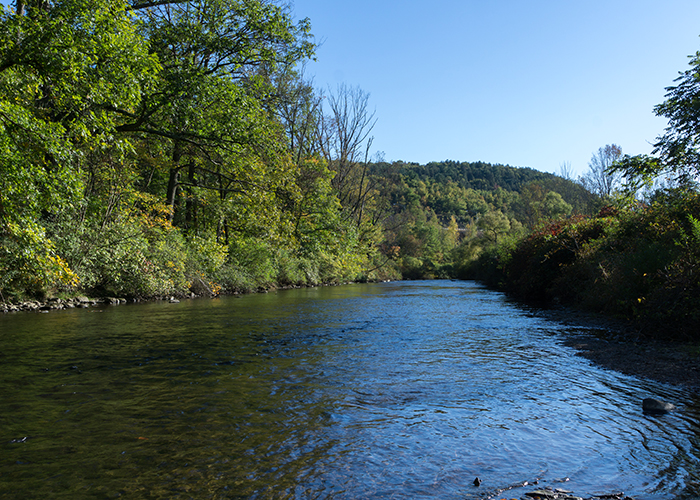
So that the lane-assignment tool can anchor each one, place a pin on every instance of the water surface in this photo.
(395, 390)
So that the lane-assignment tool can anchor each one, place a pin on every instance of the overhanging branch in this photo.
(137, 5)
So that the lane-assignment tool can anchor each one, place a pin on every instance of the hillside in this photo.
(476, 175)
(441, 209)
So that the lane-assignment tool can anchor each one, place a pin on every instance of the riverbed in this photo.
(388, 390)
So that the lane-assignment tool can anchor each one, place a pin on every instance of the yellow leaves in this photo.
(60, 273)
(29, 257)
(215, 288)
(177, 267)
(150, 211)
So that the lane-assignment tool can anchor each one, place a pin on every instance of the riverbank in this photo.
(81, 301)
(669, 362)
(618, 346)
(636, 262)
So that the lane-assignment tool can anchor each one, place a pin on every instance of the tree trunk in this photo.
(173, 181)
(191, 203)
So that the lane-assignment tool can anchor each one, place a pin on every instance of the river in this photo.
(391, 390)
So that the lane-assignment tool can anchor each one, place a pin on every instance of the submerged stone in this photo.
(653, 405)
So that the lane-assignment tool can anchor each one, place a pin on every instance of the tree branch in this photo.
(138, 5)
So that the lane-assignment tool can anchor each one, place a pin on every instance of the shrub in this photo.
(30, 264)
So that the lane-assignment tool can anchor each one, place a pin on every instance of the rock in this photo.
(552, 494)
(201, 287)
(173, 300)
(51, 306)
(652, 405)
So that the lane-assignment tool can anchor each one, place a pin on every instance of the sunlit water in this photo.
(396, 390)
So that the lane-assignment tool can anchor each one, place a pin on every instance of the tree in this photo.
(565, 170)
(299, 108)
(345, 143)
(678, 147)
(494, 224)
(600, 178)
(62, 66)
(207, 105)
(676, 153)
(530, 203)
(554, 206)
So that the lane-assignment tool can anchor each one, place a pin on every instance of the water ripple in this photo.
(400, 390)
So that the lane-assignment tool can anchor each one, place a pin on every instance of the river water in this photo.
(393, 390)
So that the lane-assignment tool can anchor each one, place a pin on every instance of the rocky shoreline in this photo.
(83, 302)
(201, 291)
(561, 494)
(54, 304)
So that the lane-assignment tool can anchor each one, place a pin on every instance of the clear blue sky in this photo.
(528, 83)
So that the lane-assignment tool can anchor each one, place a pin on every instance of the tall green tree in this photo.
(63, 65)
(676, 153)
(494, 224)
(206, 106)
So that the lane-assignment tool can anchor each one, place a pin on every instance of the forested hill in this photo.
(476, 175)
(467, 189)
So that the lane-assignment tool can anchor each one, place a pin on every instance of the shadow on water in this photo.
(397, 390)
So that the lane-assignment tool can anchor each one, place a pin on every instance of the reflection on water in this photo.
(398, 390)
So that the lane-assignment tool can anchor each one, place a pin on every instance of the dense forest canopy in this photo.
(477, 175)
(154, 148)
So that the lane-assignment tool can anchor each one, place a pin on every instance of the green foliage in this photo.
(134, 255)
(29, 263)
(144, 144)
(477, 175)
(676, 153)
(61, 68)
(254, 260)
(638, 263)
(493, 224)
(150, 151)
(441, 223)
(678, 147)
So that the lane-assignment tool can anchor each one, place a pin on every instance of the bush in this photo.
(130, 256)
(30, 264)
(640, 263)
